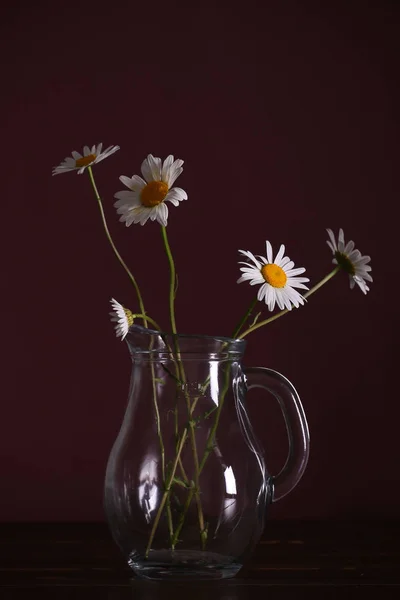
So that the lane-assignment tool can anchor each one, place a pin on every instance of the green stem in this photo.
(209, 447)
(182, 517)
(183, 378)
(194, 487)
(146, 319)
(244, 319)
(172, 278)
(117, 254)
(211, 436)
(322, 282)
(283, 312)
(192, 436)
(166, 493)
(210, 441)
(181, 467)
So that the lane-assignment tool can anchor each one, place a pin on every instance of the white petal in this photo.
(349, 247)
(69, 162)
(284, 296)
(166, 168)
(269, 251)
(125, 195)
(63, 169)
(110, 150)
(285, 262)
(293, 272)
(363, 260)
(279, 299)
(280, 255)
(128, 220)
(162, 214)
(341, 242)
(252, 278)
(155, 167)
(175, 196)
(252, 257)
(294, 296)
(174, 172)
(361, 284)
(331, 247)
(297, 284)
(354, 256)
(252, 275)
(332, 243)
(270, 297)
(262, 291)
(249, 268)
(288, 266)
(146, 171)
(144, 218)
(127, 199)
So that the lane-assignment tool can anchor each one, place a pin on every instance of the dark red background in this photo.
(286, 115)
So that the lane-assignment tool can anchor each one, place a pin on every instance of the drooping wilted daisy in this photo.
(350, 260)
(277, 278)
(146, 197)
(90, 156)
(123, 318)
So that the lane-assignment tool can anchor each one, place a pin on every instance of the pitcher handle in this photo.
(296, 426)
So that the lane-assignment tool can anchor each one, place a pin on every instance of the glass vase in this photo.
(186, 488)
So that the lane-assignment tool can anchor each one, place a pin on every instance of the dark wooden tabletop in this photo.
(293, 560)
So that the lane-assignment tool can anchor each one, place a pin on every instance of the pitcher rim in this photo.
(235, 345)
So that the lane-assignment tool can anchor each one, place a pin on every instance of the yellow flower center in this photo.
(129, 316)
(274, 275)
(153, 193)
(85, 160)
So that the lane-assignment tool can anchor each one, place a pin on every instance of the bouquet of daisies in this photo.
(279, 283)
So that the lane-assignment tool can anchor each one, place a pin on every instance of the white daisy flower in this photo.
(123, 317)
(91, 156)
(350, 260)
(277, 277)
(146, 197)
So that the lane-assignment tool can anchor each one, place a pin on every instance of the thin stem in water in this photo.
(166, 493)
(172, 290)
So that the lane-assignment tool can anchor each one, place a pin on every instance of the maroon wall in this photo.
(286, 116)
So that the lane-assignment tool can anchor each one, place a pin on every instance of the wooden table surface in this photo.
(293, 560)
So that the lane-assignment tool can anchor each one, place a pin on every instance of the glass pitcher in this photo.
(186, 487)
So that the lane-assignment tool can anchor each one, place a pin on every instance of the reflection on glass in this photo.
(230, 481)
(147, 489)
(214, 383)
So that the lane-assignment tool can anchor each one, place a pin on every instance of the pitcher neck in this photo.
(154, 345)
